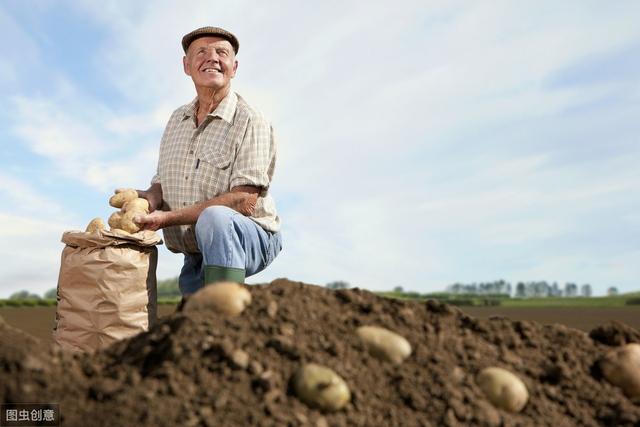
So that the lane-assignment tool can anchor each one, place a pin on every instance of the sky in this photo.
(419, 143)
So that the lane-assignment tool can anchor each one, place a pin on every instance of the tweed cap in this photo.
(210, 31)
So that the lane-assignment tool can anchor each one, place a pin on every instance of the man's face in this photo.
(210, 62)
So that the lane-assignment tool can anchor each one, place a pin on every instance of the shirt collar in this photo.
(225, 110)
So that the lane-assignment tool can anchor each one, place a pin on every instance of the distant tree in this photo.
(456, 288)
(521, 290)
(585, 290)
(398, 289)
(612, 291)
(536, 289)
(528, 289)
(51, 294)
(168, 288)
(508, 289)
(539, 289)
(570, 290)
(502, 287)
(555, 290)
(338, 284)
(24, 295)
(544, 288)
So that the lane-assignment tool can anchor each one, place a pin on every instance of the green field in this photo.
(505, 301)
(458, 300)
(570, 302)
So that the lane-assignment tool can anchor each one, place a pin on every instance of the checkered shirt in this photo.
(233, 146)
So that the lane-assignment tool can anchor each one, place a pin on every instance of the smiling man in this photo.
(210, 194)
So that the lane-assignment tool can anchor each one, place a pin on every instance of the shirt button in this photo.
(190, 151)
(186, 177)
(184, 203)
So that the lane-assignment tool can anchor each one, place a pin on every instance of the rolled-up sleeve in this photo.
(155, 179)
(255, 158)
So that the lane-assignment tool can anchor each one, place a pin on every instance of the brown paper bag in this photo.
(106, 288)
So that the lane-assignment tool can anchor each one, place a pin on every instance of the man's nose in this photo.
(211, 55)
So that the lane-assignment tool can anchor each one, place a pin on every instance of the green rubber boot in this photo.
(214, 273)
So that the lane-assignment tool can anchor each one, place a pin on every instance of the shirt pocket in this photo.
(216, 158)
(213, 174)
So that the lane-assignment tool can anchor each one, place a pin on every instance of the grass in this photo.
(630, 299)
(567, 302)
(624, 300)
(171, 300)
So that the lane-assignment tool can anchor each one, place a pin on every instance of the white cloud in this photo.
(31, 226)
(94, 146)
(22, 199)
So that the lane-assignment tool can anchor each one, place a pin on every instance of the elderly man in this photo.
(210, 194)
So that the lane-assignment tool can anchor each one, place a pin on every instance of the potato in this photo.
(137, 204)
(228, 298)
(503, 389)
(119, 199)
(95, 225)
(384, 344)
(128, 224)
(115, 220)
(320, 387)
(621, 367)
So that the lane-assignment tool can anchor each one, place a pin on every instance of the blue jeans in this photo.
(227, 238)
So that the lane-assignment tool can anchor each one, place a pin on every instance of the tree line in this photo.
(502, 288)
(533, 289)
(169, 288)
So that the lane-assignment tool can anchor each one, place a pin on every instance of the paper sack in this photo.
(106, 288)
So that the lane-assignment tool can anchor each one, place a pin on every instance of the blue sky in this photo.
(419, 145)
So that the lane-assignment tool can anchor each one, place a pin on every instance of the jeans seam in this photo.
(229, 241)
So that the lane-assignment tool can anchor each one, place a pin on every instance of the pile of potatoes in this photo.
(130, 206)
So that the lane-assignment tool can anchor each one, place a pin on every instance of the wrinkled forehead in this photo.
(209, 42)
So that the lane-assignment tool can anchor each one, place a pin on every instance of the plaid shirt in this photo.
(233, 146)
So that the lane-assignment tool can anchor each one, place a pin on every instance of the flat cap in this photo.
(210, 31)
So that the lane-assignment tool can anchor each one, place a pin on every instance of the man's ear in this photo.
(185, 66)
(235, 68)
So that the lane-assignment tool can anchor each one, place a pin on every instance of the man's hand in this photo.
(154, 199)
(154, 221)
(246, 203)
(153, 195)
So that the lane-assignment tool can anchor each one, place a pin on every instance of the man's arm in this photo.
(242, 199)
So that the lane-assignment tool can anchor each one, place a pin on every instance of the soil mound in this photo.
(202, 369)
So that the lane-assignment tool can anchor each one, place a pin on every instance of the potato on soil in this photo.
(138, 204)
(621, 367)
(504, 389)
(228, 298)
(384, 344)
(95, 225)
(320, 387)
(119, 199)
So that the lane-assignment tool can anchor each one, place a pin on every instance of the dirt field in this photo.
(199, 367)
(38, 321)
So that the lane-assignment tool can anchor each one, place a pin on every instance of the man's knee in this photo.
(214, 218)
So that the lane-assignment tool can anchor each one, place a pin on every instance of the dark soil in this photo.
(186, 370)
